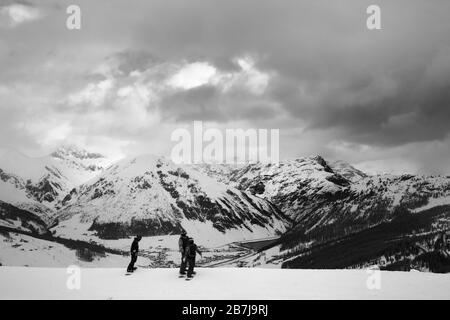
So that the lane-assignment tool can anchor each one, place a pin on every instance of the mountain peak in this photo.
(347, 170)
(321, 161)
(72, 151)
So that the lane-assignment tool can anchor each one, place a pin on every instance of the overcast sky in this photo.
(139, 69)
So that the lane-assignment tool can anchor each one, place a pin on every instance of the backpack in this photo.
(191, 251)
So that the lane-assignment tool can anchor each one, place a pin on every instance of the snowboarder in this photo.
(134, 253)
(191, 251)
(182, 244)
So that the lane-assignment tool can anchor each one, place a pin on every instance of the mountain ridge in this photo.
(307, 202)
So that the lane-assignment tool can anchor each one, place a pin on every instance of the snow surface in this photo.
(158, 251)
(11, 194)
(219, 283)
(22, 250)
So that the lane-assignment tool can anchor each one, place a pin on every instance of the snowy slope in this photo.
(22, 250)
(227, 284)
(152, 196)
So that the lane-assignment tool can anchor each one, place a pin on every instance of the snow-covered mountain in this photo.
(347, 171)
(152, 196)
(315, 205)
(316, 194)
(292, 185)
(338, 211)
(39, 185)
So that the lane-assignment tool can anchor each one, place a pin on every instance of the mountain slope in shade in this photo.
(150, 195)
(408, 241)
(15, 218)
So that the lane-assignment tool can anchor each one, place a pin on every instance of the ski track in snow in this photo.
(219, 283)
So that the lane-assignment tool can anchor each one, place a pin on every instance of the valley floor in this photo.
(218, 283)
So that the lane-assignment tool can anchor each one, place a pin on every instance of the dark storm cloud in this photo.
(195, 104)
(207, 103)
(332, 71)
(413, 106)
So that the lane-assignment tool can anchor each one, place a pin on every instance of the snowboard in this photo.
(189, 279)
(128, 273)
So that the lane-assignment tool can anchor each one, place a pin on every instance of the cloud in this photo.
(19, 13)
(311, 69)
(93, 94)
(192, 75)
(248, 77)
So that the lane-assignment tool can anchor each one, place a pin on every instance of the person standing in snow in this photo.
(182, 244)
(134, 253)
(191, 251)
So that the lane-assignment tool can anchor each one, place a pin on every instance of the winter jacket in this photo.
(183, 243)
(134, 247)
